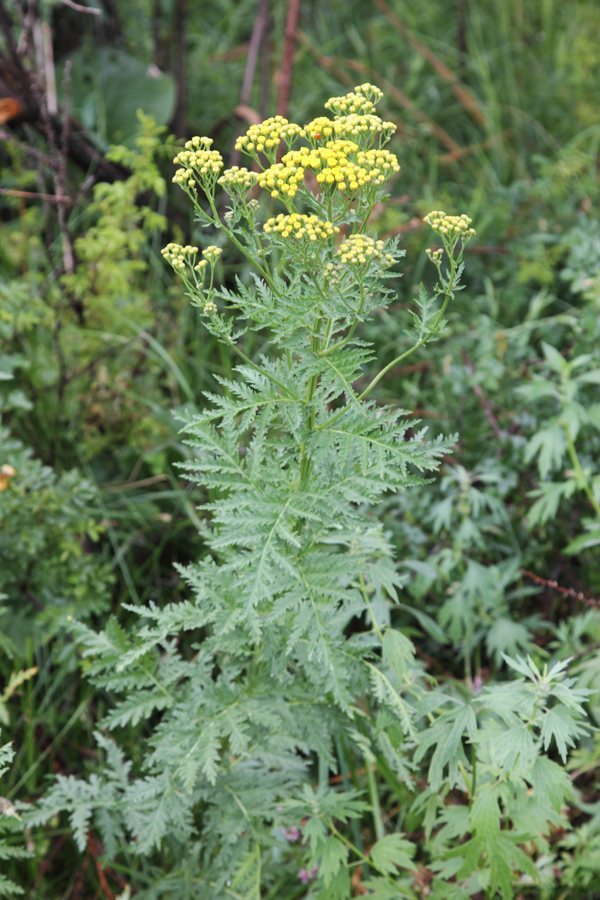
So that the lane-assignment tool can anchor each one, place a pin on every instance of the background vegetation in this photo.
(497, 115)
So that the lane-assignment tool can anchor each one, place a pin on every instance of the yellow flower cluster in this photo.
(267, 135)
(435, 255)
(212, 254)
(284, 177)
(359, 248)
(452, 226)
(300, 226)
(348, 126)
(321, 127)
(379, 163)
(199, 157)
(339, 162)
(335, 165)
(362, 100)
(210, 307)
(176, 254)
(238, 180)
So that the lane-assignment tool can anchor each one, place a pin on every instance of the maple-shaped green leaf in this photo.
(447, 733)
(441, 890)
(485, 814)
(560, 725)
(513, 744)
(382, 889)
(551, 781)
(391, 852)
(333, 855)
(506, 860)
(339, 888)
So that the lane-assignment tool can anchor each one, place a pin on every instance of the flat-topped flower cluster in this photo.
(238, 180)
(361, 100)
(268, 135)
(351, 126)
(329, 174)
(197, 161)
(452, 226)
(361, 249)
(177, 255)
(300, 226)
(345, 153)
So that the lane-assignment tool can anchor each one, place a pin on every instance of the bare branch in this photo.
(84, 9)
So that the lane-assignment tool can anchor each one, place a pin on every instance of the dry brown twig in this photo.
(566, 592)
(285, 79)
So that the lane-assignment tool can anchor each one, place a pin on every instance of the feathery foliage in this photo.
(286, 661)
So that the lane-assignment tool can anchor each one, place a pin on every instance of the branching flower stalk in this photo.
(291, 527)
(291, 651)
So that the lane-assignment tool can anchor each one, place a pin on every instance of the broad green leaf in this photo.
(555, 360)
(442, 890)
(505, 859)
(537, 389)
(592, 377)
(107, 88)
(427, 623)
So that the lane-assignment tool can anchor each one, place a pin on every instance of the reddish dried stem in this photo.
(288, 56)
(566, 592)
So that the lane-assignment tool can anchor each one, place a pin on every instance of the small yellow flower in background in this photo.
(201, 265)
(177, 255)
(379, 163)
(6, 473)
(238, 180)
(212, 254)
(452, 227)
(362, 101)
(300, 226)
(435, 255)
(199, 163)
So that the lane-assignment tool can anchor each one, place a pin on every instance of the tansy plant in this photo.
(285, 668)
